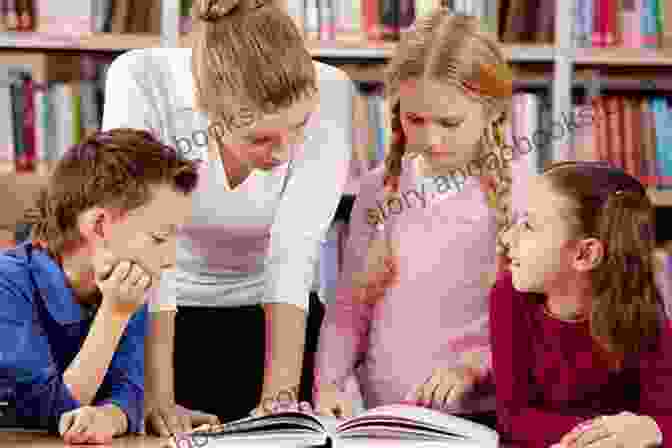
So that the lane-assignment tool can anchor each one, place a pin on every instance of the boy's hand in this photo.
(169, 419)
(123, 285)
(91, 424)
(622, 430)
(332, 402)
(444, 388)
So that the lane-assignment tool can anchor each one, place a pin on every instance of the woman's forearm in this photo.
(285, 340)
(159, 347)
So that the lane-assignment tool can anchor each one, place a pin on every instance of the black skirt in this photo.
(219, 357)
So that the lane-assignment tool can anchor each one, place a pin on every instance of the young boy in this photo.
(73, 318)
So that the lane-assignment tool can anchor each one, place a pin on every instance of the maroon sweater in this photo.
(549, 375)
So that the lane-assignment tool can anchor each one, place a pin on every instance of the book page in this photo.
(422, 423)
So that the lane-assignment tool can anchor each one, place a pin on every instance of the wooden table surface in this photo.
(43, 440)
(27, 439)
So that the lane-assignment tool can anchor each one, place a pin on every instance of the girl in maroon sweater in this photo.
(582, 351)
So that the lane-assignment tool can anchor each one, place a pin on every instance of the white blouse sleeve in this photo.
(129, 104)
(312, 193)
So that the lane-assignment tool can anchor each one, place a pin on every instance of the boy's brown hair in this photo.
(612, 206)
(113, 169)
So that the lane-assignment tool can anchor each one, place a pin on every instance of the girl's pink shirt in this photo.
(438, 309)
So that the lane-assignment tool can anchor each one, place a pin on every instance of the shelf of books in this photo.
(51, 80)
(78, 42)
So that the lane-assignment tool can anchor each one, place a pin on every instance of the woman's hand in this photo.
(92, 424)
(167, 419)
(626, 430)
(445, 388)
(286, 400)
(332, 402)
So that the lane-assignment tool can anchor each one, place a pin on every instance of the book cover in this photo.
(389, 19)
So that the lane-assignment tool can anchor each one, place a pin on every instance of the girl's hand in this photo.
(330, 401)
(444, 388)
(622, 430)
(88, 424)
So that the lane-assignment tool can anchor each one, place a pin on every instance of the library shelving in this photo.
(560, 67)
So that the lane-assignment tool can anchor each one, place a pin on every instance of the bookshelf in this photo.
(560, 66)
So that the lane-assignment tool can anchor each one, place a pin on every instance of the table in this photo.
(27, 439)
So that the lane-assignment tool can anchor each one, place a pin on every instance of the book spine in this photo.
(12, 18)
(17, 116)
(312, 24)
(29, 124)
(41, 129)
(406, 14)
(389, 19)
(7, 146)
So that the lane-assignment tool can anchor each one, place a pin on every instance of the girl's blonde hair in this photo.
(248, 58)
(451, 49)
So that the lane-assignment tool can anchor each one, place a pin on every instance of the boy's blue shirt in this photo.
(42, 329)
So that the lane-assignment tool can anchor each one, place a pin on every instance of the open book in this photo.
(392, 425)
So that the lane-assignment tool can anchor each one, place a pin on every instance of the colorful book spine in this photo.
(7, 144)
(42, 157)
(17, 117)
(28, 164)
(659, 109)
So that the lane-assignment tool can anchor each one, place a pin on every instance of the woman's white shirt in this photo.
(259, 242)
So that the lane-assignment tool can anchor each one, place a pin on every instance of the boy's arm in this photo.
(124, 382)
(27, 366)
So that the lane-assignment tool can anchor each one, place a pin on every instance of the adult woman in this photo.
(250, 85)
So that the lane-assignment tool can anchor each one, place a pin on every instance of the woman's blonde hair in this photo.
(452, 49)
(248, 57)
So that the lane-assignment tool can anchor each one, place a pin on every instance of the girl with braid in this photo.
(410, 317)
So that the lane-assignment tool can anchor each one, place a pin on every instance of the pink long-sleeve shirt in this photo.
(438, 309)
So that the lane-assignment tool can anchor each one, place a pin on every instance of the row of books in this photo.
(81, 16)
(635, 134)
(39, 122)
(627, 23)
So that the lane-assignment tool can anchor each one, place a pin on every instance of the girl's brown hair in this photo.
(451, 49)
(107, 169)
(248, 57)
(612, 206)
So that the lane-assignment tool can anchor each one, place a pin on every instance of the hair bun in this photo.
(213, 10)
